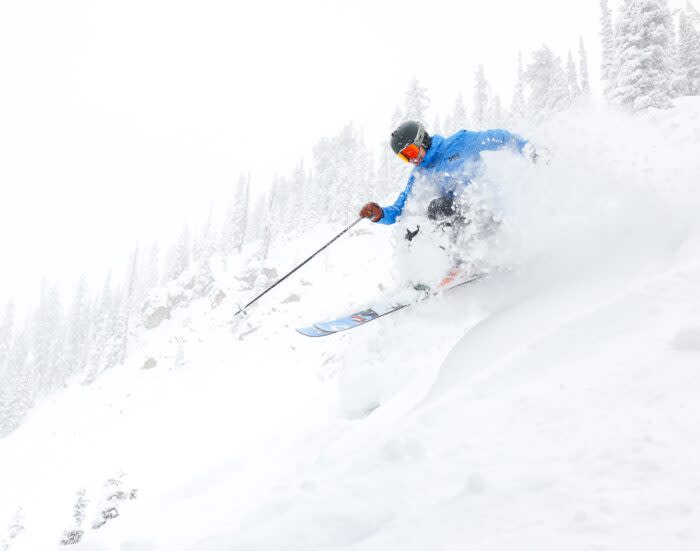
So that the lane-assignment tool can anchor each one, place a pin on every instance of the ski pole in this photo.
(242, 310)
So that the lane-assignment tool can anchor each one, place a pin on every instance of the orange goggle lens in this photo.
(409, 152)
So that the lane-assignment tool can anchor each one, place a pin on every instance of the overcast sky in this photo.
(122, 120)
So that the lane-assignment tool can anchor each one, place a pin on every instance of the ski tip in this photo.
(313, 331)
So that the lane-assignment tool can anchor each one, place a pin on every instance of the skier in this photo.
(449, 163)
(445, 166)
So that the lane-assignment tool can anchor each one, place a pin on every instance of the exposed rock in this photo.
(153, 318)
(218, 298)
(195, 283)
(150, 363)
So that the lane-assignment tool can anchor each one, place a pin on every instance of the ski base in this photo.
(325, 328)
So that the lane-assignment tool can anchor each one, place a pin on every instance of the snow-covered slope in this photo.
(550, 406)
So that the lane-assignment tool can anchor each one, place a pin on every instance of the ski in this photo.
(325, 328)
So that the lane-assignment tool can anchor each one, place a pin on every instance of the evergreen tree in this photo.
(643, 67)
(572, 78)
(689, 56)
(6, 335)
(495, 114)
(693, 14)
(607, 37)
(180, 257)
(583, 67)
(448, 125)
(17, 395)
(227, 242)
(152, 275)
(101, 333)
(268, 221)
(547, 83)
(279, 208)
(340, 164)
(397, 118)
(518, 104)
(437, 126)
(120, 332)
(300, 215)
(459, 115)
(481, 99)
(206, 241)
(241, 212)
(48, 341)
(416, 102)
(78, 330)
(259, 217)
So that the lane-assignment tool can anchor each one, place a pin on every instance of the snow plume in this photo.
(613, 192)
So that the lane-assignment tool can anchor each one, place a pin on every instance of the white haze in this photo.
(121, 122)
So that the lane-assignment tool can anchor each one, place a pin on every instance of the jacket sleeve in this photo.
(392, 212)
(492, 140)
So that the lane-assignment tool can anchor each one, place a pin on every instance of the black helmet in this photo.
(407, 133)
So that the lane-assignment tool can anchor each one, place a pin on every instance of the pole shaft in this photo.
(299, 266)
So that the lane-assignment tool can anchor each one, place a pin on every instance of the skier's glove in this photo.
(372, 211)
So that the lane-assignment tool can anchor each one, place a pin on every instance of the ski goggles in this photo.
(410, 152)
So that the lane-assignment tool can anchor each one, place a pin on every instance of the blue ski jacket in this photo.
(453, 162)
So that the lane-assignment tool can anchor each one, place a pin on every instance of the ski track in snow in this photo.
(550, 406)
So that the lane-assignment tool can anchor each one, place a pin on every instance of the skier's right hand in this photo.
(372, 211)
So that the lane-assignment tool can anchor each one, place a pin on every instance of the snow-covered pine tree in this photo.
(48, 340)
(267, 219)
(78, 330)
(182, 256)
(240, 214)
(481, 99)
(300, 214)
(101, 333)
(416, 102)
(18, 384)
(437, 126)
(495, 117)
(339, 164)
(258, 220)
(572, 78)
(518, 105)
(583, 69)
(693, 14)
(206, 240)
(363, 185)
(607, 39)
(448, 125)
(688, 55)
(5, 341)
(643, 62)
(152, 271)
(228, 231)
(6, 326)
(279, 207)
(460, 120)
(120, 333)
(547, 84)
